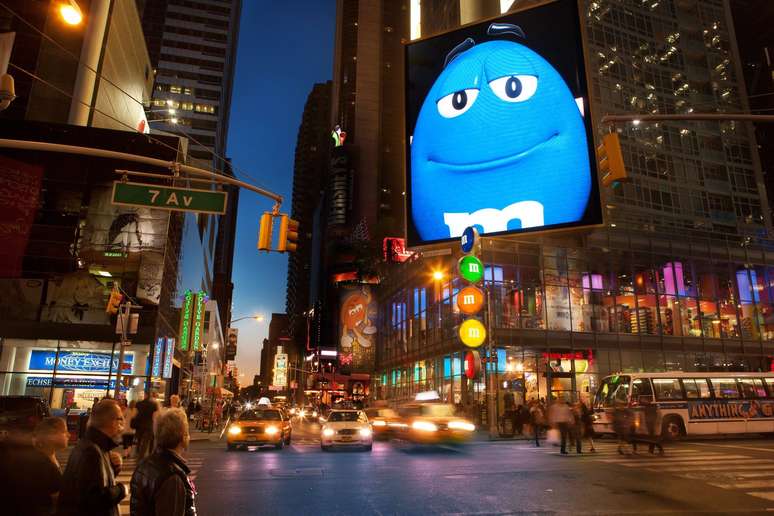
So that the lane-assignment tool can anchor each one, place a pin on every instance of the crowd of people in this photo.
(32, 482)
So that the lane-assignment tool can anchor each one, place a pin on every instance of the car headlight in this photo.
(462, 425)
(424, 426)
(271, 430)
(234, 430)
(328, 432)
(380, 423)
(302, 413)
(365, 432)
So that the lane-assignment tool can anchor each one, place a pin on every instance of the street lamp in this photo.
(70, 12)
(257, 318)
(438, 275)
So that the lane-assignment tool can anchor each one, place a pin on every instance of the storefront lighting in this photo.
(136, 382)
(215, 345)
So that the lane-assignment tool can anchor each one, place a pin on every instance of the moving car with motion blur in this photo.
(259, 427)
(346, 428)
(384, 422)
(433, 423)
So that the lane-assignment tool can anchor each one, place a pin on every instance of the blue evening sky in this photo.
(284, 48)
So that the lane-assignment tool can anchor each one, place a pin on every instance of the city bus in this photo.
(690, 403)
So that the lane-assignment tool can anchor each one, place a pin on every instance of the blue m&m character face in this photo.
(499, 144)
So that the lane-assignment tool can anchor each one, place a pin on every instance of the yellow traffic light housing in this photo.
(611, 162)
(288, 235)
(264, 234)
(114, 302)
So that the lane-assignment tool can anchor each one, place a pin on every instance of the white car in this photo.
(346, 428)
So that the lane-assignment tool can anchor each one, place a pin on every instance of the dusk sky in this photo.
(284, 49)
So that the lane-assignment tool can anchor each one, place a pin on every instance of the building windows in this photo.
(175, 88)
(205, 108)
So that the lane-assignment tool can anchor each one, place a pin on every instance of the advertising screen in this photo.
(498, 128)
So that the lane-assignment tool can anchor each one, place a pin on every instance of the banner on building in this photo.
(169, 355)
(280, 370)
(357, 328)
(231, 345)
(339, 187)
(158, 356)
(19, 192)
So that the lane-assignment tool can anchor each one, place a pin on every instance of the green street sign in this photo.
(169, 198)
(471, 268)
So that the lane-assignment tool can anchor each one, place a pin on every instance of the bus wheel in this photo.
(672, 429)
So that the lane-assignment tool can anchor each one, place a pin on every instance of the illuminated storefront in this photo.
(67, 373)
(564, 313)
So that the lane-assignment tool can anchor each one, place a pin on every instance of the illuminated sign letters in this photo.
(186, 313)
(471, 268)
(472, 333)
(197, 330)
(169, 354)
(470, 300)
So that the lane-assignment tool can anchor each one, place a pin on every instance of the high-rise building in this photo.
(192, 46)
(309, 172)
(677, 278)
(752, 25)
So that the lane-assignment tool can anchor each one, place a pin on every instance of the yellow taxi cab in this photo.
(258, 427)
(434, 423)
(384, 421)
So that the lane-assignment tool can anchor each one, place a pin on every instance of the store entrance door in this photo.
(561, 386)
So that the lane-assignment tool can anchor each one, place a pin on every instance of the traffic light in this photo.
(114, 302)
(264, 234)
(288, 235)
(611, 163)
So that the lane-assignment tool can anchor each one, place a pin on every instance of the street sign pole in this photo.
(125, 318)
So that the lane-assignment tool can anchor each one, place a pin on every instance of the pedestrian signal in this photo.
(114, 302)
(611, 162)
(288, 235)
(264, 233)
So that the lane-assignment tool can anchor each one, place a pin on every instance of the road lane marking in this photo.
(750, 466)
(770, 450)
(752, 484)
(672, 460)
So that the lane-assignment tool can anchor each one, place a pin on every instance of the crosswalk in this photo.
(194, 460)
(721, 469)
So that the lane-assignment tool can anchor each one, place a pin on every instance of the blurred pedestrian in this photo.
(560, 417)
(518, 419)
(89, 482)
(623, 426)
(30, 476)
(127, 438)
(160, 485)
(174, 401)
(587, 423)
(537, 420)
(143, 424)
(651, 423)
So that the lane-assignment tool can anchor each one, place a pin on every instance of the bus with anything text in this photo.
(689, 404)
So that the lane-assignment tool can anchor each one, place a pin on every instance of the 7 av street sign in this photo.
(168, 198)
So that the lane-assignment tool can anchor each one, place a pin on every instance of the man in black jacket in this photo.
(88, 484)
(160, 484)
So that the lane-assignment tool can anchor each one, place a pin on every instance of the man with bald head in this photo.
(89, 485)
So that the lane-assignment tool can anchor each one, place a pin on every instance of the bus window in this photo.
(696, 388)
(752, 387)
(641, 388)
(667, 389)
(612, 390)
(770, 385)
(725, 388)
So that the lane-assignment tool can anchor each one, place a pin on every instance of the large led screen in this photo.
(498, 126)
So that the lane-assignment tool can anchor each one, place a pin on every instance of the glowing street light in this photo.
(70, 12)
(438, 275)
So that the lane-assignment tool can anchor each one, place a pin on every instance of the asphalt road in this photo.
(700, 477)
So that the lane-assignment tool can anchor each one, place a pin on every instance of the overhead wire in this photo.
(141, 103)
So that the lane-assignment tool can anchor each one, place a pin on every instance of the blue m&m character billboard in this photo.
(500, 140)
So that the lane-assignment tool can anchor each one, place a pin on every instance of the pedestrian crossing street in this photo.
(194, 460)
(721, 468)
